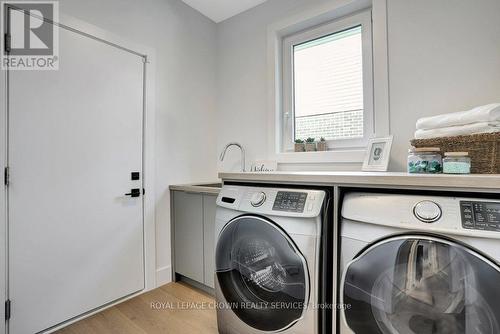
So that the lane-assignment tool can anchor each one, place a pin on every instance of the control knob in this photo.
(258, 199)
(427, 211)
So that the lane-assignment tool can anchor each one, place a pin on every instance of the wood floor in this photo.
(172, 308)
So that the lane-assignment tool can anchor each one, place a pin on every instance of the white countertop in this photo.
(473, 182)
(202, 187)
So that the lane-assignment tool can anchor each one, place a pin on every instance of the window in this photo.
(327, 84)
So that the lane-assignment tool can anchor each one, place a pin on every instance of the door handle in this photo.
(136, 192)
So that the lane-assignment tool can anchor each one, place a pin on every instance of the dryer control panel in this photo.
(480, 215)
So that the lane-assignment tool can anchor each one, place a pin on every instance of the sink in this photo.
(209, 185)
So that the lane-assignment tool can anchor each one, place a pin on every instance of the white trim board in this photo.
(148, 160)
(163, 275)
(339, 156)
(314, 17)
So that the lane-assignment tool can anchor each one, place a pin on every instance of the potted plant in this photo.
(310, 145)
(299, 145)
(322, 144)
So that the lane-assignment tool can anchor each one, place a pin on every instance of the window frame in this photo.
(287, 113)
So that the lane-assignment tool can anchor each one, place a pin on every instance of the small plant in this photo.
(299, 145)
(310, 144)
(322, 144)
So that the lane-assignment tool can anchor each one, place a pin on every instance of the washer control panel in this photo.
(290, 201)
(480, 215)
(282, 202)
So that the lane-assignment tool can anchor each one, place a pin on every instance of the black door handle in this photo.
(134, 192)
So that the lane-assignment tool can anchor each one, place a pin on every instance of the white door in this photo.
(75, 136)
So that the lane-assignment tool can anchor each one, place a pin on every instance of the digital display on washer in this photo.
(290, 201)
(480, 215)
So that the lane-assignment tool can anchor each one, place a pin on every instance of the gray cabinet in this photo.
(188, 235)
(193, 235)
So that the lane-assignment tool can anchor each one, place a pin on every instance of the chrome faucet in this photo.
(242, 154)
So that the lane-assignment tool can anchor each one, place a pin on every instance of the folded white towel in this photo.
(483, 127)
(487, 113)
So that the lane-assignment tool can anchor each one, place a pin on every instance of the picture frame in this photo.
(378, 154)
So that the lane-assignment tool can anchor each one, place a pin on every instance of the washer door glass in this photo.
(261, 274)
(424, 285)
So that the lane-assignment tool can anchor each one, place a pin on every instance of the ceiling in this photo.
(219, 10)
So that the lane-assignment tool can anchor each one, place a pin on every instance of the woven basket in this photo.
(484, 149)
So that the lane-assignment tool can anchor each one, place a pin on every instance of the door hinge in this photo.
(7, 43)
(6, 176)
(7, 309)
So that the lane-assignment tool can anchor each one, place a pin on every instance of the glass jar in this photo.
(456, 163)
(425, 160)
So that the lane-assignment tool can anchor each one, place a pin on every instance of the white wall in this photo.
(444, 56)
(184, 41)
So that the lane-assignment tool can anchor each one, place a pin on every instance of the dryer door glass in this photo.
(424, 285)
(261, 274)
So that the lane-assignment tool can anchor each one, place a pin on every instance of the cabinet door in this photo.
(188, 235)
(209, 207)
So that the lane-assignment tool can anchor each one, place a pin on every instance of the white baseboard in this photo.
(163, 275)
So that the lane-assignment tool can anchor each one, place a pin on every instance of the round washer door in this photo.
(261, 273)
(421, 284)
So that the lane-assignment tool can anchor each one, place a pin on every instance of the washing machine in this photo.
(419, 264)
(267, 259)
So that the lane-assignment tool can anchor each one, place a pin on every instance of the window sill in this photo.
(339, 156)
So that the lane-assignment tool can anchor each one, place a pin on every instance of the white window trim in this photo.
(315, 18)
(362, 19)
